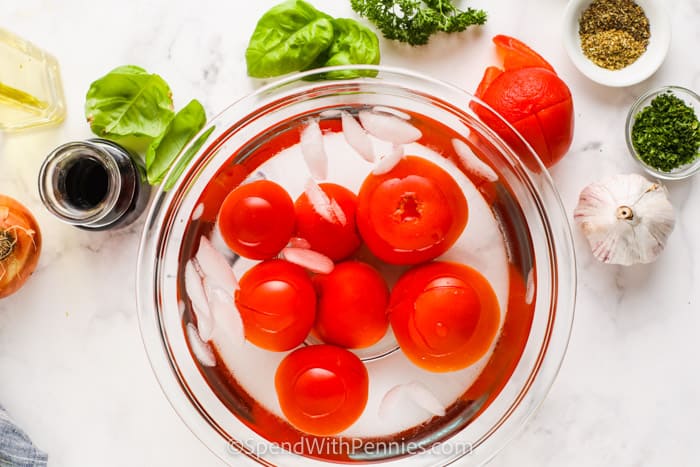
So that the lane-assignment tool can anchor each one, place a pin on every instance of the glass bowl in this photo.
(692, 100)
(518, 237)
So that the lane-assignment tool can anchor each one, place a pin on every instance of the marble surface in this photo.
(73, 370)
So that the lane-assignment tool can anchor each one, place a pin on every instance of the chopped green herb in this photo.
(666, 133)
(414, 21)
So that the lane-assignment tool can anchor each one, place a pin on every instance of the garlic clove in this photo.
(626, 219)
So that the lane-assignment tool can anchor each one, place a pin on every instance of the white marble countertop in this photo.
(73, 371)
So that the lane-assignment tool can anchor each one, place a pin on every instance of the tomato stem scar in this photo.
(409, 208)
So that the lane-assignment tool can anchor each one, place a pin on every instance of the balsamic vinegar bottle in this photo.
(93, 185)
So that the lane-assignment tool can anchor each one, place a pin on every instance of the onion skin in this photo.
(15, 268)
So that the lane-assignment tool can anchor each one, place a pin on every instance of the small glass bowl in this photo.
(691, 99)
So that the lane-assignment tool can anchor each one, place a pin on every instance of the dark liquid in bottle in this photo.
(87, 183)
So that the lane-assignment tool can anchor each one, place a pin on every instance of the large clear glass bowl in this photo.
(537, 256)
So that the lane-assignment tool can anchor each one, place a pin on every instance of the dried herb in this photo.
(666, 133)
(612, 49)
(614, 33)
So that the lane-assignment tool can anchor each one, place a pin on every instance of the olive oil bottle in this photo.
(31, 93)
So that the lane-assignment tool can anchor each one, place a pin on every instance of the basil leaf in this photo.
(288, 38)
(129, 101)
(353, 44)
(164, 150)
(186, 158)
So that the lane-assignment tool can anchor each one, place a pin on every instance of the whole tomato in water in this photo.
(256, 219)
(352, 306)
(529, 95)
(322, 389)
(411, 214)
(445, 316)
(20, 245)
(277, 302)
(334, 237)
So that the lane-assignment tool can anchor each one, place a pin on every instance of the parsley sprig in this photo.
(414, 21)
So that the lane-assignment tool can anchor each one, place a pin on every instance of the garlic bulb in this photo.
(626, 219)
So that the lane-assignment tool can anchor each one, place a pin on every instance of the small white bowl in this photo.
(638, 71)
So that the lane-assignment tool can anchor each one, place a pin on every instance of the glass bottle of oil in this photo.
(31, 93)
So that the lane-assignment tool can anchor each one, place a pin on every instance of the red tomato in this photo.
(256, 220)
(277, 302)
(227, 178)
(538, 104)
(411, 214)
(518, 55)
(445, 316)
(352, 306)
(514, 54)
(490, 74)
(337, 240)
(322, 389)
(532, 98)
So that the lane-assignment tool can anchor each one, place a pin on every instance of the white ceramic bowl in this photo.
(644, 67)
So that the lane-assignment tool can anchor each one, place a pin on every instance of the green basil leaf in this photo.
(129, 101)
(288, 38)
(186, 158)
(164, 149)
(353, 44)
